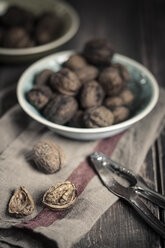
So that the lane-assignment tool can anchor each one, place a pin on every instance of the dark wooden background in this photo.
(137, 29)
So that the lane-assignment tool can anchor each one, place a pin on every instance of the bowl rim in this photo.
(22, 100)
(75, 22)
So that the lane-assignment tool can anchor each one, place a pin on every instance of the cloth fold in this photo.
(64, 229)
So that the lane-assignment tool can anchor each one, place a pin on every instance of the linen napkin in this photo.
(63, 229)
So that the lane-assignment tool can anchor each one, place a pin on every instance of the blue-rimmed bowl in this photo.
(142, 83)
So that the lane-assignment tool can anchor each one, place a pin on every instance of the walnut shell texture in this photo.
(92, 95)
(60, 196)
(65, 81)
(61, 109)
(114, 78)
(120, 114)
(21, 203)
(98, 117)
(127, 96)
(48, 156)
(75, 62)
(113, 102)
(43, 77)
(39, 96)
(98, 52)
(87, 73)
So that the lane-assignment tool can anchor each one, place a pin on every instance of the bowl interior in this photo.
(141, 86)
(142, 83)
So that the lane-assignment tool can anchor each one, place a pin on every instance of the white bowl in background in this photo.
(70, 23)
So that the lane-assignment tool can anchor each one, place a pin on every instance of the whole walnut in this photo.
(114, 79)
(17, 37)
(43, 77)
(91, 95)
(77, 120)
(47, 28)
(39, 96)
(65, 81)
(120, 114)
(98, 117)
(48, 156)
(87, 73)
(60, 109)
(98, 52)
(127, 96)
(113, 102)
(123, 71)
(75, 62)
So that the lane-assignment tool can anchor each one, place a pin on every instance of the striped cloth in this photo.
(18, 135)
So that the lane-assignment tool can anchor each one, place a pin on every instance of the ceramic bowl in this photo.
(69, 20)
(142, 83)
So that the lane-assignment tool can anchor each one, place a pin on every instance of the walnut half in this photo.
(60, 196)
(21, 203)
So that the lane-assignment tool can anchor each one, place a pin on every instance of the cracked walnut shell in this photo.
(60, 196)
(21, 203)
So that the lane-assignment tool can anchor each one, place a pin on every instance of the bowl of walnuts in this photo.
(32, 29)
(92, 94)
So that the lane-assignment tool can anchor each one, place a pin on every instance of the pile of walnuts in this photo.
(89, 91)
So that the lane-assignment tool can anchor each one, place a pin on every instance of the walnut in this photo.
(122, 70)
(48, 156)
(120, 114)
(92, 94)
(18, 17)
(47, 28)
(113, 102)
(98, 117)
(23, 29)
(77, 120)
(21, 203)
(98, 52)
(60, 196)
(87, 73)
(17, 37)
(66, 82)
(42, 78)
(39, 96)
(75, 62)
(113, 79)
(61, 109)
(127, 96)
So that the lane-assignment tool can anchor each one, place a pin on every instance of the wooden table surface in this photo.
(137, 29)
